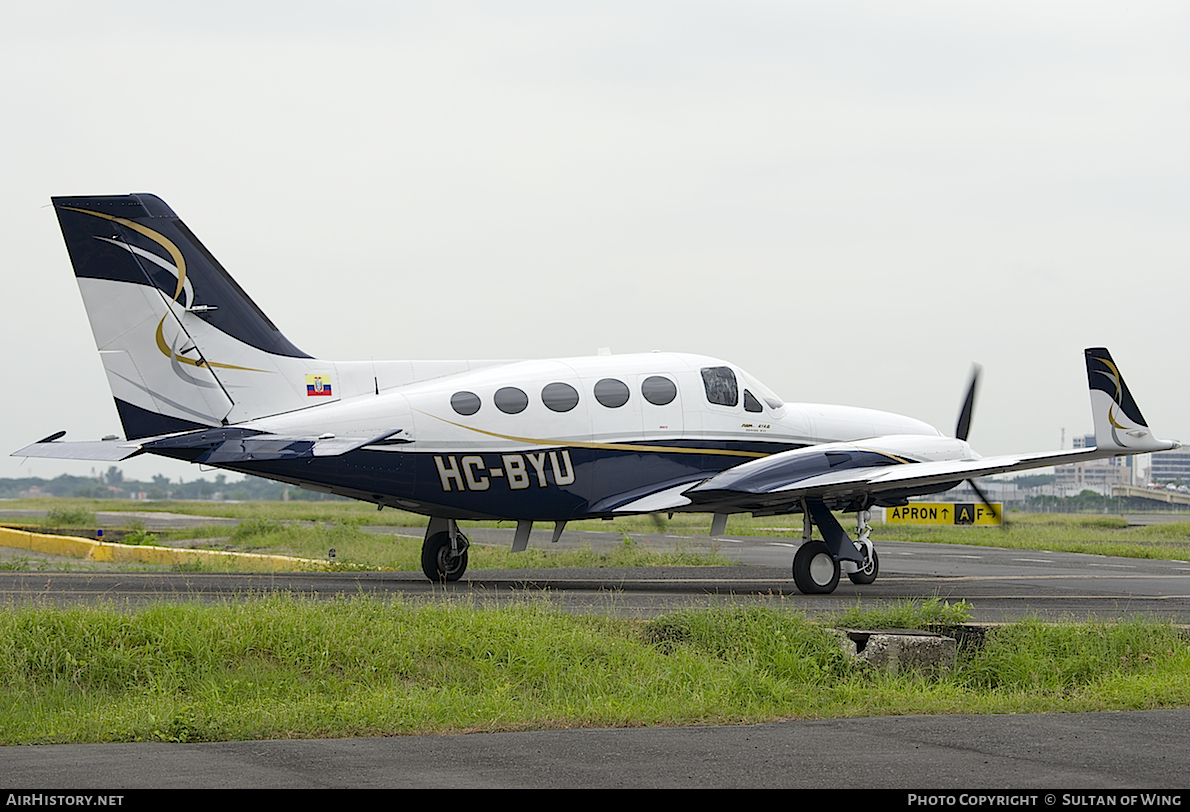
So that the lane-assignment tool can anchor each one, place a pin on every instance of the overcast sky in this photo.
(853, 201)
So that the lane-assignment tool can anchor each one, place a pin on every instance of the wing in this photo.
(781, 483)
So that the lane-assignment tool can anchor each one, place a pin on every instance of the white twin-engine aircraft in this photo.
(199, 373)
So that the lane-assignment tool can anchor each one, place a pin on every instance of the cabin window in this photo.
(721, 386)
(511, 400)
(559, 397)
(751, 404)
(658, 391)
(611, 393)
(465, 403)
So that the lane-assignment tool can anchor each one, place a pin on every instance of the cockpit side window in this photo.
(751, 404)
(721, 386)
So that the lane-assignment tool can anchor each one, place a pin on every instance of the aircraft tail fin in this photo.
(184, 347)
(1118, 421)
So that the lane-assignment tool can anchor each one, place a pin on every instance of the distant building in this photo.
(1170, 466)
(1096, 475)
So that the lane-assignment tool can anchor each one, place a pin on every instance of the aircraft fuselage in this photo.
(557, 439)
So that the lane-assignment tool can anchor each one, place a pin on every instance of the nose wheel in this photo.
(870, 568)
(867, 573)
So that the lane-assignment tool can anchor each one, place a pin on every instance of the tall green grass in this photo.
(284, 667)
(68, 516)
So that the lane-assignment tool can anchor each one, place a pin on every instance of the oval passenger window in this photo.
(465, 403)
(559, 397)
(511, 400)
(658, 391)
(611, 393)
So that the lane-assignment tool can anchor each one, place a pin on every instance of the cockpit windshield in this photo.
(764, 393)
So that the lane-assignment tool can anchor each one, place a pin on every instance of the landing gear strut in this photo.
(817, 565)
(444, 551)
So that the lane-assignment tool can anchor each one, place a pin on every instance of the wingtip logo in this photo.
(318, 386)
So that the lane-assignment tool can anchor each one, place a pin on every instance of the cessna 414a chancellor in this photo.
(199, 373)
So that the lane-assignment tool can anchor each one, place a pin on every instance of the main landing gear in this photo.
(817, 565)
(815, 570)
(444, 551)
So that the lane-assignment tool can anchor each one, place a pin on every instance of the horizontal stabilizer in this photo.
(218, 446)
(227, 446)
(102, 450)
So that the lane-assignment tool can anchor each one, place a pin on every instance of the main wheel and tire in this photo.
(868, 572)
(439, 562)
(815, 570)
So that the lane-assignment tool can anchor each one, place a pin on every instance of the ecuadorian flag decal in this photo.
(318, 386)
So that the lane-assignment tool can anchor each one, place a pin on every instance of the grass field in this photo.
(283, 667)
(1071, 533)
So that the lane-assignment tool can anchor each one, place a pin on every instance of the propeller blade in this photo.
(983, 497)
(964, 425)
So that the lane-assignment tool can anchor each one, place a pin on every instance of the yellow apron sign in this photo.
(944, 513)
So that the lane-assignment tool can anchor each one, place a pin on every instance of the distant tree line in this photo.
(112, 485)
(1089, 501)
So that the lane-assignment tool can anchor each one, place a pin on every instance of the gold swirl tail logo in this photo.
(178, 269)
